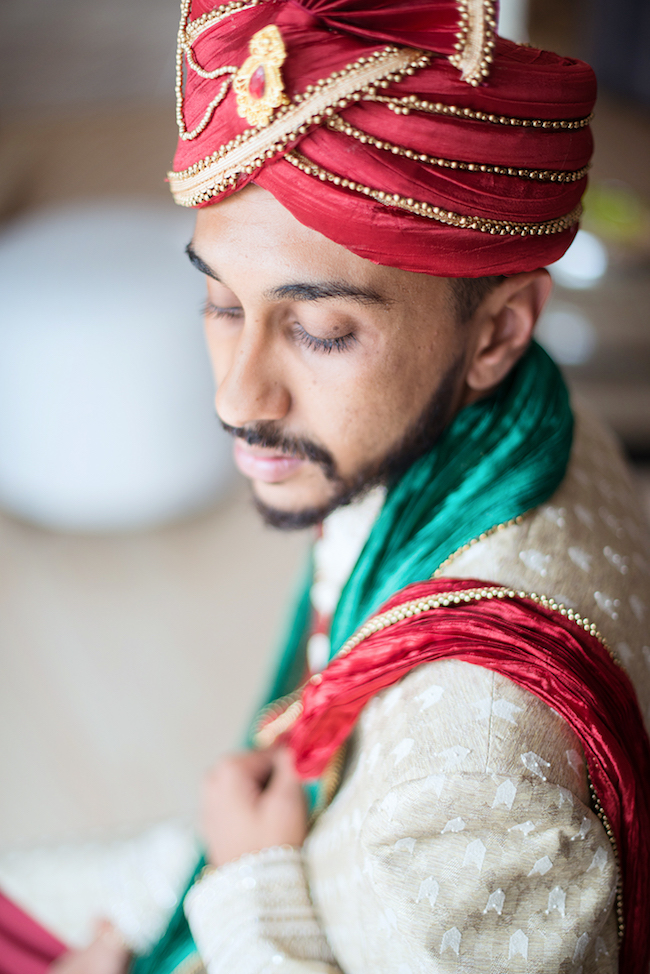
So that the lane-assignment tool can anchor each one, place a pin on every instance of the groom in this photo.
(379, 187)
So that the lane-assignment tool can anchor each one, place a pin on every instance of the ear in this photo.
(503, 327)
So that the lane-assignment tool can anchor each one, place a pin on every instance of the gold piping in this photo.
(248, 151)
(600, 812)
(338, 124)
(411, 103)
(439, 214)
(184, 47)
(196, 27)
(290, 708)
(414, 607)
(475, 40)
(442, 567)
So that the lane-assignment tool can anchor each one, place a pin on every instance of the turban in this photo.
(406, 130)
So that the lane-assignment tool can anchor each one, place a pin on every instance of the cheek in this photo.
(360, 417)
(371, 413)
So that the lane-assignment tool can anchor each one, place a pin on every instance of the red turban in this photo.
(405, 130)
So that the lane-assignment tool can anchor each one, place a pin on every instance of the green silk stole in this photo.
(497, 459)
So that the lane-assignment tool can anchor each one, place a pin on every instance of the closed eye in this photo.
(339, 344)
(210, 310)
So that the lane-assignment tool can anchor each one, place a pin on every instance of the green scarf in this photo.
(499, 457)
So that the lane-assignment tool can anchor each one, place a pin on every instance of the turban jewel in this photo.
(406, 130)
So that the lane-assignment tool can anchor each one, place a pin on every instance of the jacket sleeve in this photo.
(461, 839)
(254, 916)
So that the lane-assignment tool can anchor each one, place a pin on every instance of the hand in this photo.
(253, 801)
(107, 954)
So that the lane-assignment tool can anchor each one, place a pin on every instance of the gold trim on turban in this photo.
(249, 150)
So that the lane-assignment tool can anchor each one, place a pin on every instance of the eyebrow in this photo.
(200, 264)
(322, 290)
(304, 291)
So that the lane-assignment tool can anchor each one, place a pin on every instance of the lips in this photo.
(269, 466)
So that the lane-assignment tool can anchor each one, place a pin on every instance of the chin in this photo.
(293, 511)
(284, 507)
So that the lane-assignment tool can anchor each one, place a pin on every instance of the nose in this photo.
(252, 388)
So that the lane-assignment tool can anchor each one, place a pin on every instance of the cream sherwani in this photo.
(462, 837)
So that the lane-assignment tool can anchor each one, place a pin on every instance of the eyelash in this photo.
(210, 310)
(327, 345)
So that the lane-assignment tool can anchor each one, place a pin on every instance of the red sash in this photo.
(543, 648)
(25, 946)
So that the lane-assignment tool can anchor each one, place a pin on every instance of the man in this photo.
(379, 186)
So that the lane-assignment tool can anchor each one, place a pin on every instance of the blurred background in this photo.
(140, 597)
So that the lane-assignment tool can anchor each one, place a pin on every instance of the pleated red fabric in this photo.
(540, 650)
(523, 132)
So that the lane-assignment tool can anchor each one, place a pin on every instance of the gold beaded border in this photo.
(184, 49)
(600, 812)
(512, 228)
(417, 606)
(444, 565)
(196, 27)
(411, 103)
(475, 40)
(289, 709)
(248, 151)
(284, 712)
(338, 124)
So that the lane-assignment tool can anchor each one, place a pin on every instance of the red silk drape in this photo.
(25, 946)
(543, 652)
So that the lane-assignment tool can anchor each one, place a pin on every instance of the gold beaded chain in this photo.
(200, 24)
(359, 81)
(512, 228)
(289, 709)
(250, 149)
(600, 813)
(417, 606)
(184, 49)
(475, 40)
(338, 124)
(444, 565)
(411, 103)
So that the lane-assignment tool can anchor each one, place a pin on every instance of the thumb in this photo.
(285, 777)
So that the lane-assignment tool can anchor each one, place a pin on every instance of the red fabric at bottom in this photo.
(25, 946)
(541, 651)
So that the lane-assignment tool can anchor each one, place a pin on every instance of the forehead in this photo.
(251, 237)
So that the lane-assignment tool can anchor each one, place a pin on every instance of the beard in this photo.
(417, 440)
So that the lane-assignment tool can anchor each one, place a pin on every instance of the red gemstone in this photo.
(257, 84)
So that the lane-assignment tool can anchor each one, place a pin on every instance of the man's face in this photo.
(332, 372)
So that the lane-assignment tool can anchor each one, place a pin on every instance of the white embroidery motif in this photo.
(495, 901)
(518, 945)
(541, 867)
(535, 764)
(429, 890)
(451, 941)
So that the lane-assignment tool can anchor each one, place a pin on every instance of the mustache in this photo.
(267, 434)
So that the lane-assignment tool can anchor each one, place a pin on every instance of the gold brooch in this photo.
(258, 84)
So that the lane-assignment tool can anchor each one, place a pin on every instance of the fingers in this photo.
(109, 936)
(107, 954)
(251, 766)
(253, 801)
(284, 778)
